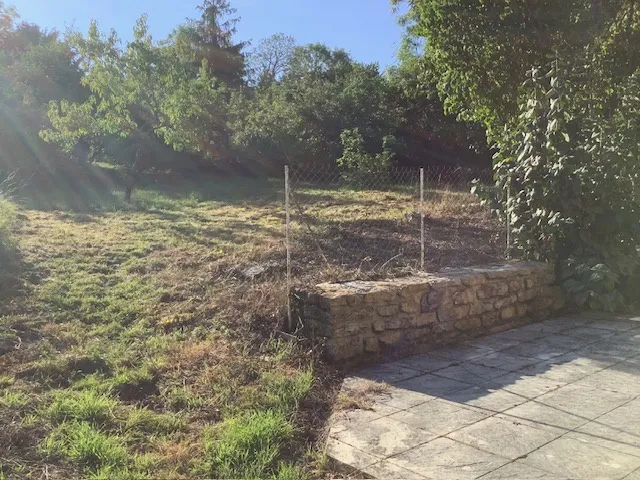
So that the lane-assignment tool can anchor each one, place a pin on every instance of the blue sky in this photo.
(365, 28)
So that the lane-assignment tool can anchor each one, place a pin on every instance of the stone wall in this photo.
(404, 315)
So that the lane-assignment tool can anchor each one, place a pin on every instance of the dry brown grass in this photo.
(358, 394)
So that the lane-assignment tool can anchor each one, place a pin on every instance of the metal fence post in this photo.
(422, 219)
(287, 230)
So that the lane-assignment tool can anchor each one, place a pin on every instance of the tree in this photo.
(35, 67)
(557, 89)
(301, 117)
(479, 52)
(430, 135)
(210, 39)
(270, 59)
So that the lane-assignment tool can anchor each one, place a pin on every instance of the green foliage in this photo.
(572, 174)
(247, 446)
(567, 137)
(479, 73)
(301, 117)
(356, 158)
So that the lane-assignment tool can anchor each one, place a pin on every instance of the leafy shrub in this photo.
(355, 157)
(571, 169)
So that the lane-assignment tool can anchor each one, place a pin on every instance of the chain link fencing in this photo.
(343, 226)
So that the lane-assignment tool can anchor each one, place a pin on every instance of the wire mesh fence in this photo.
(346, 225)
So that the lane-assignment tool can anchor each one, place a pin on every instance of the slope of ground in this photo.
(140, 343)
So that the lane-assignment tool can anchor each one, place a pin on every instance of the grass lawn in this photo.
(134, 345)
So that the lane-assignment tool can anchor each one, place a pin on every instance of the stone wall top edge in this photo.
(448, 276)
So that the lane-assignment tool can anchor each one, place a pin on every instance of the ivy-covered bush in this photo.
(568, 168)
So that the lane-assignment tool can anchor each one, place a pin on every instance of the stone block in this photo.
(506, 301)
(432, 300)
(450, 313)
(493, 289)
(320, 329)
(409, 307)
(353, 300)
(508, 313)
(380, 297)
(338, 301)
(527, 295)
(531, 282)
(344, 349)
(352, 329)
(465, 296)
(517, 284)
(521, 309)
(316, 313)
(378, 325)
(390, 338)
(424, 319)
(468, 324)
(541, 303)
(393, 323)
(371, 345)
(478, 308)
(490, 319)
(387, 310)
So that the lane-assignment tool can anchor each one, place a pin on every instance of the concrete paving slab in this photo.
(578, 458)
(506, 436)
(556, 401)
(613, 380)
(440, 417)
(402, 398)
(430, 384)
(520, 471)
(446, 459)
(589, 402)
(346, 419)
(388, 372)
(491, 399)
(504, 361)
(462, 353)
(386, 469)
(545, 415)
(384, 437)
(426, 363)
(528, 386)
(348, 455)
(470, 373)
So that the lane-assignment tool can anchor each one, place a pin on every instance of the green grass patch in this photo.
(86, 406)
(142, 421)
(13, 400)
(246, 446)
(89, 446)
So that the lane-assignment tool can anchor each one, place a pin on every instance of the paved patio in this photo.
(553, 400)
